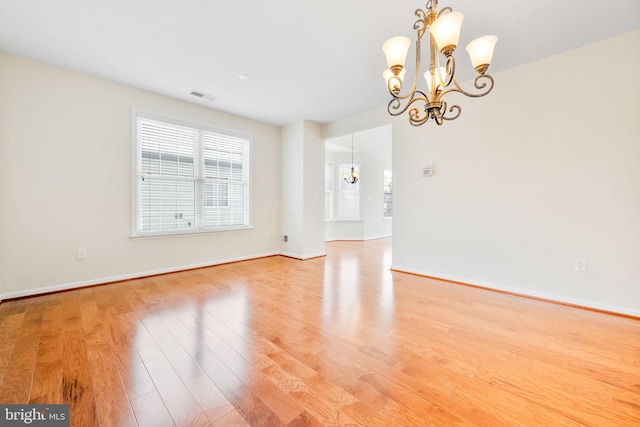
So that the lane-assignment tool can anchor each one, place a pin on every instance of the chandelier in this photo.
(444, 31)
(353, 176)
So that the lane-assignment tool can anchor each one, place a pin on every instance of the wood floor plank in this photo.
(133, 372)
(335, 340)
(209, 397)
(278, 401)
(97, 341)
(16, 382)
(150, 411)
(77, 385)
(9, 329)
(180, 404)
(186, 368)
(46, 387)
(112, 402)
(232, 419)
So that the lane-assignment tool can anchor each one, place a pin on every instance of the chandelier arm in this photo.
(451, 110)
(450, 70)
(421, 25)
(394, 84)
(444, 10)
(415, 119)
(431, 5)
(476, 83)
(396, 102)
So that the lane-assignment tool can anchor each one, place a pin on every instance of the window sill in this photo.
(183, 233)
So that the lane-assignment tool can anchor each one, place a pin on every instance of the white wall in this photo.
(313, 191)
(65, 183)
(302, 176)
(292, 178)
(542, 171)
(375, 147)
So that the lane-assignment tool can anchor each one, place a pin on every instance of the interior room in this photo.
(226, 214)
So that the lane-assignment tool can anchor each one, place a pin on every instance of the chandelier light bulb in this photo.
(395, 49)
(396, 83)
(388, 74)
(481, 52)
(446, 31)
(440, 73)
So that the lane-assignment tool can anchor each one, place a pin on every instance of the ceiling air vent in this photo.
(203, 95)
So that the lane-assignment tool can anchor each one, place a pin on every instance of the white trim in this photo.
(523, 292)
(187, 122)
(303, 257)
(184, 233)
(112, 279)
(357, 239)
(346, 239)
(382, 236)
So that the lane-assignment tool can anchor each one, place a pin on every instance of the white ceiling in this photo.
(311, 60)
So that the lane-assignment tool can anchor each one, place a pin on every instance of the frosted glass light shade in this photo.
(388, 74)
(481, 50)
(439, 77)
(395, 49)
(446, 29)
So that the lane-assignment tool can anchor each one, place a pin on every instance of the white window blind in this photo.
(328, 193)
(349, 194)
(189, 178)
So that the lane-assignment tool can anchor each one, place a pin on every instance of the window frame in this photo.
(328, 190)
(386, 179)
(200, 196)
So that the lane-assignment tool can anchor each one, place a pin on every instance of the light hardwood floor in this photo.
(339, 340)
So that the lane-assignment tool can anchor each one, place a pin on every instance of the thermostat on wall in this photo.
(427, 171)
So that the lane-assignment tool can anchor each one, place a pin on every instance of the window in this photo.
(349, 194)
(388, 194)
(328, 193)
(189, 178)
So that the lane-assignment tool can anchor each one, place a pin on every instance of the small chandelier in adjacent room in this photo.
(353, 176)
(444, 30)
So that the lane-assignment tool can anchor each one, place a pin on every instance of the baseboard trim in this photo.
(357, 239)
(114, 279)
(556, 299)
(303, 257)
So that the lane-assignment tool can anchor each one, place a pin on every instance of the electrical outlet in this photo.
(81, 253)
(407, 245)
(285, 238)
(580, 265)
